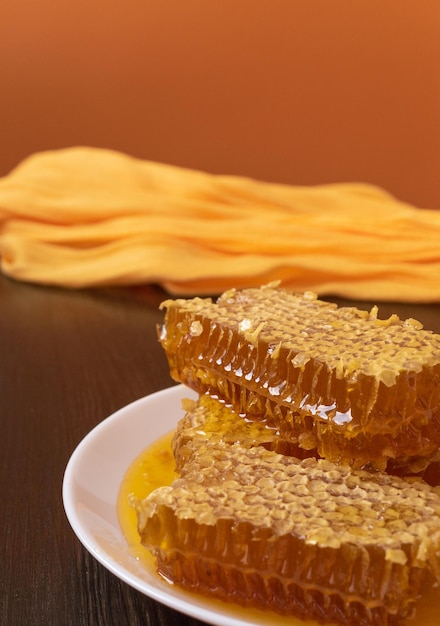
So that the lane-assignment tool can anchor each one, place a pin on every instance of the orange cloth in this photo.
(83, 217)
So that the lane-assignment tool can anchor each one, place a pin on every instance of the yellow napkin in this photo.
(83, 217)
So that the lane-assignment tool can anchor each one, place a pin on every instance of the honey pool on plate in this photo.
(155, 468)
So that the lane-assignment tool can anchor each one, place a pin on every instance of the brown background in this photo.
(296, 91)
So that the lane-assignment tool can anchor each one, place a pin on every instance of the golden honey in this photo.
(154, 467)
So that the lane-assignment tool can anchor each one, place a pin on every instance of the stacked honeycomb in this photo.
(257, 516)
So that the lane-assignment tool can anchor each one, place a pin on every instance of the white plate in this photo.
(91, 485)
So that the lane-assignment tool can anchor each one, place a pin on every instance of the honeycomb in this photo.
(257, 515)
(209, 420)
(308, 537)
(353, 388)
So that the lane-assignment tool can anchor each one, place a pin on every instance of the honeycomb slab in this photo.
(308, 538)
(340, 382)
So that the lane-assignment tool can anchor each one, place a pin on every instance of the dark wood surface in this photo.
(68, 360)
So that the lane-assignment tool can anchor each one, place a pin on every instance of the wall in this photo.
(295, 91)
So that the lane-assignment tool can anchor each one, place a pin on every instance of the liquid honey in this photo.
(155, 468)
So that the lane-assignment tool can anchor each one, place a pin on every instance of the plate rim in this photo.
(186, 605)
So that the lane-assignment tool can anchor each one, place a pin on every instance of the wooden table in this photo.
(68, 360)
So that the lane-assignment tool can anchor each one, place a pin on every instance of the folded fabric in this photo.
(82, 217)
